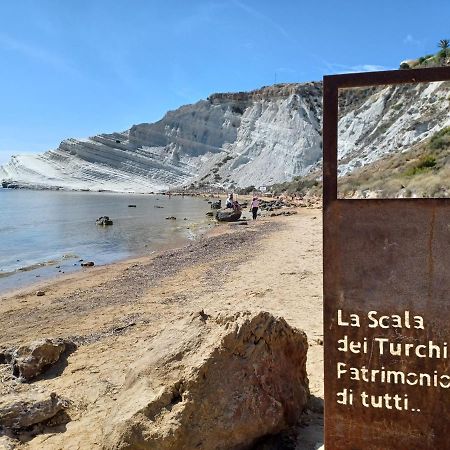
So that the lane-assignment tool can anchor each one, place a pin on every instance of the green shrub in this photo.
(423, 59)
(425, 163)
(298, 185)
(404, 66)
(441, 139)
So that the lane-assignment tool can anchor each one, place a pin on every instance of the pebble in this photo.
(40, 293)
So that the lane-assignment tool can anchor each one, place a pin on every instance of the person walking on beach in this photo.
(230, 202)
(254, 207)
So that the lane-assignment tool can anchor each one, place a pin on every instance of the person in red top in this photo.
(254, 207)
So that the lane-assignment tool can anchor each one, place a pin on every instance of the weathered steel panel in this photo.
(386, 305)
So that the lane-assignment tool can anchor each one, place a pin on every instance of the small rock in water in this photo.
(40, 293)
(171, 218)
(131, 206)
(104, 220)
(87, 264)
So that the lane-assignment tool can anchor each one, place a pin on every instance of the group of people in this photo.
(254, 205)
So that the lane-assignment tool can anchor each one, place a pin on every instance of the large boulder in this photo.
(212, 383)
(28, 361)
(228, 215)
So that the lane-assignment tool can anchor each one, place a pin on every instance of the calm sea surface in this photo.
(45, 233)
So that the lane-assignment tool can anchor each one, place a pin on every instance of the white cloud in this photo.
(334, 68)
(262, 17)
(368, 68)
(9, 43)
(411, 40)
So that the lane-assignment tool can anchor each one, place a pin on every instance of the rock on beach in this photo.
(28, 361)
(212, 383)
(25, 412)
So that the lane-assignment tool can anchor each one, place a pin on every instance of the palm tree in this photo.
(444, 44)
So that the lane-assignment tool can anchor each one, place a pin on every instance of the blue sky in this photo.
(75, 68)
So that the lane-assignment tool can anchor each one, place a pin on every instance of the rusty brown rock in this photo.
(213, 383)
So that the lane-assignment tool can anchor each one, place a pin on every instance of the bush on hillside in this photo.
(441, 139)
(298, 185)
(425, 163)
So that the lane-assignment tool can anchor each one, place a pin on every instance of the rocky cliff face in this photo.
(375, 122)
(239, 139)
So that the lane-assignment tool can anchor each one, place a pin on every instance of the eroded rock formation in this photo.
(28, 361)
(20, 413)
(212, 383)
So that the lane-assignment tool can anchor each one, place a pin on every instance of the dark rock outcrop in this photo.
(228, 215)
(104, 220)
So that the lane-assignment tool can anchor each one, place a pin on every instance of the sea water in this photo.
(46, 233)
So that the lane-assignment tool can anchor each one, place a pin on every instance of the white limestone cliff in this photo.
(240, 139)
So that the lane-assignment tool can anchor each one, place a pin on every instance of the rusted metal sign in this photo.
(386, 304)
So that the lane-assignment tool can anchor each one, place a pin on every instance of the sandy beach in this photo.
(111, 312)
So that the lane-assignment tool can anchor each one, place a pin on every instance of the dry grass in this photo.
(422, 171)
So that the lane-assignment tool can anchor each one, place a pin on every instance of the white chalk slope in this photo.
(240, 139)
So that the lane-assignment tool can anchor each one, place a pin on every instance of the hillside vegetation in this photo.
(423, 171)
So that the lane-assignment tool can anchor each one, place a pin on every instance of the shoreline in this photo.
(50, 277)
(83, 273)
(37, 273)
(112, 313)
(24, 266)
